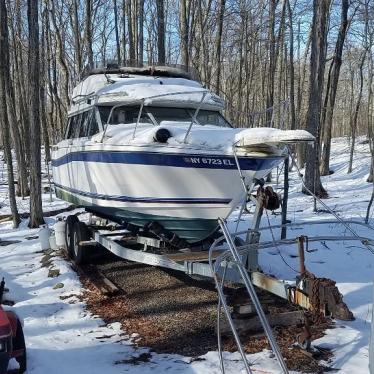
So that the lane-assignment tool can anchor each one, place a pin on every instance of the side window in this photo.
(93, 126)
(84, 124)
(68, 129)
(72, 128)
(76, 125)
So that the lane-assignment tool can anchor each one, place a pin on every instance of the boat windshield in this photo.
(123, 114)
(155, 115)
(204, 117)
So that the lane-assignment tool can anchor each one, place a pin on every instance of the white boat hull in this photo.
(184, 190)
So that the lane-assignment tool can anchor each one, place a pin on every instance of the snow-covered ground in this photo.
(62, 337)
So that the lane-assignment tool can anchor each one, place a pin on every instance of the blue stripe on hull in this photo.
(169, 159)
(185, 200)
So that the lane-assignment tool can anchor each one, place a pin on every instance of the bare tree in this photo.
(160, 31)
(184, 31)
(219, 44)
(116, 30)
(141, 32)
(77, 37)
(129, 14)
(4, 122)
(88, 33)
(321, 9)
(36, 212)
(354, 117)
(332, 89)
(291, 68)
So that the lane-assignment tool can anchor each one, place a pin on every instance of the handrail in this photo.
(194, 117)
(138, 119)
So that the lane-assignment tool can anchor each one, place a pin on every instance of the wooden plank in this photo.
(254, 324)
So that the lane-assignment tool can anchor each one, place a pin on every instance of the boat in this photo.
(149, 148)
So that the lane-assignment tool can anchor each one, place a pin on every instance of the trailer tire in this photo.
(80, 254)
(69, 228)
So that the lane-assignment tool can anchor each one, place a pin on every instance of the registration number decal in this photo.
(209, 161)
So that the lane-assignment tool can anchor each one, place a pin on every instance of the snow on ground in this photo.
(50, 202)
(349, 263)
(62, 337)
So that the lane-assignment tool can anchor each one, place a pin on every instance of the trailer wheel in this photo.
(69, 228)
(19, 344)
(80, 254)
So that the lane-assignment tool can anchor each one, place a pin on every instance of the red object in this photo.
(12, 341)
(5, 324)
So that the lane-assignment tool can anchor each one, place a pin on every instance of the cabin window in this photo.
(93, 126)
(68, 129)
(73, 127)
(207, 117)
(86, 120)
(82, 125)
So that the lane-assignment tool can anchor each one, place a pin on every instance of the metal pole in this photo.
(231, 323)
(219, 343)
(252, 293)
(300, 244)
(138, 119)
(194, 116)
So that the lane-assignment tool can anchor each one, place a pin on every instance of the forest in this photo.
(285, 63)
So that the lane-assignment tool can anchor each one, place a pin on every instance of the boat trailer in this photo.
(232, 258)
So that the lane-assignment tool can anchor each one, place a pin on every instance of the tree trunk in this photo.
(132, 54)
(160, 31)
(43, 98)
(292, 70)
(61, 55)
(36, 212)
(369, 112)
(355, 114)
(22, 186)
(219, 47)
(77, 38)
(88, 32)
(123, 19)
(301, 148)
(312, 178)
(4, 122)
(334, 79)
(272, 62)
(141, 32)
(118, 43)
(184, 32)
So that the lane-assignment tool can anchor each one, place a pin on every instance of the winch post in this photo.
(253, 235)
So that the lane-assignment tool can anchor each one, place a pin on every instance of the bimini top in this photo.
(121, 88)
